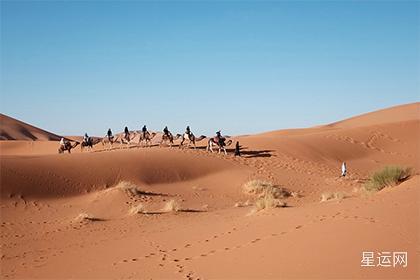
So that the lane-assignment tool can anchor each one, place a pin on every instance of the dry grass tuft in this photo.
(172, 206)
(128, 187)
(139, 209)
(263, 188)
(268, 194)
(387, 177)
(243, 204)
(85, 217)
(267, 202)
(327, 196)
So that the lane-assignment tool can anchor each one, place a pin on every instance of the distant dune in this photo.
(401, 113)
(13, 129)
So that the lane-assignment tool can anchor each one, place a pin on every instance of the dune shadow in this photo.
(255, 153)
(95, 219)
(179, 211)
(191, 211)
(139, 192)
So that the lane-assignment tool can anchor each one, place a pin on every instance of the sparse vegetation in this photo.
(128, 187)
(268, 194)
(326, 196)
(138, 209)
(83, 217)
(268, 201)
(387, 177)
(243, 204)
(263, 188)
(172, 206)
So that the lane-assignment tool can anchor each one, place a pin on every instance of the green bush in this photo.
(387, 177)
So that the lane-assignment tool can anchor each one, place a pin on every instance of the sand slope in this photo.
(13, 129)
(44, 197)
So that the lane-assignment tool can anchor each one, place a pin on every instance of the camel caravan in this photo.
(144, 138)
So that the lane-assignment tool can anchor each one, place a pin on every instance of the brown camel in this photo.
(191, 139)
(67, 147)
(109, 140)
(219, 142)
(147, 138)
(126, 138)
(89, 143)
(169, 138)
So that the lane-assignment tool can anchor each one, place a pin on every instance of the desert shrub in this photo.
(332, 196)
(85, 217)
(172, 206)
(268, 201)
(263, 188)
(138, 209)
(243, 204)
(387, 177)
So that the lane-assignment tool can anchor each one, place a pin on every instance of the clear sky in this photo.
(243, 67)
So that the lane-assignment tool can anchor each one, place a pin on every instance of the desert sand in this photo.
(104, 213)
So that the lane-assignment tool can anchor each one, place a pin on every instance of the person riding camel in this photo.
(188, 131)
(144, 129)
(220, 139)
(126, 133)
(63, 142)
(109, 135)
(86, 139)
(166, 131)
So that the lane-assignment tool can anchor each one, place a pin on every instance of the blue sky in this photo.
(243, 67)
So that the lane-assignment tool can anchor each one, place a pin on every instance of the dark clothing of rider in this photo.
(188, 130)
(109, 134)
(220, 138)
(144, 129)
(86, 138)
(166, 131)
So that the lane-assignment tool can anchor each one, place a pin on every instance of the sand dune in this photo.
(103, 213)
(12, 129)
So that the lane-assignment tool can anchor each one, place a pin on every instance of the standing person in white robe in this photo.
(343, 169)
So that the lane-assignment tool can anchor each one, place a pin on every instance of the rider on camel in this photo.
(126, 133)
(220, 139)
(86, 138)
(109, 134)
(166, 131)
(188, 131)
(63, 142)
(144, 129)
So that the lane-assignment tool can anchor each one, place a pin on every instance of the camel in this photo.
(219, 143)
(169, 138)
(110, 141)
(126, 139)
(90, 143)
(67, 147)
(147, 138)
(191, 139)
